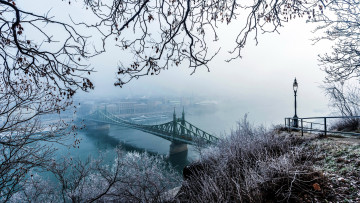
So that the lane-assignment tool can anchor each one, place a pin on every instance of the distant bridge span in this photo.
(178, 130)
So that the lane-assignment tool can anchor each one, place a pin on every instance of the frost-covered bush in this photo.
(133, 177)
(251, 165)
(346, 125)
(36, 189)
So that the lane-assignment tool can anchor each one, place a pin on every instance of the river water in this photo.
(217, 121)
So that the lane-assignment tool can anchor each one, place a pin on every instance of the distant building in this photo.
(175, 103)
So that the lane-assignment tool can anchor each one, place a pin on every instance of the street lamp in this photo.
(295, 118)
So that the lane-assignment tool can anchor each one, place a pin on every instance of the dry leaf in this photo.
(316, 187)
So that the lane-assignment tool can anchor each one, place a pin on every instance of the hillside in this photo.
(339, 160)
(255, 165)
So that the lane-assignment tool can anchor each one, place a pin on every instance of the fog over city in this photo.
(260, 83)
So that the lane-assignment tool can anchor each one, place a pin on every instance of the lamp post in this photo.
(295, 118)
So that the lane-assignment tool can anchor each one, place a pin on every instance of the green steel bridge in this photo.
(178, 130)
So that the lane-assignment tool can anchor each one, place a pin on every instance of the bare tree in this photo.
(341, 65)
(342, 27)
(344, 98)
(38, 76)
(161, 34)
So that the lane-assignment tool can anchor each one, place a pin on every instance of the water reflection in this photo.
(132, 141)
(103, 141)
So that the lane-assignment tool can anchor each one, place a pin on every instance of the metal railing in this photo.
(320, 125)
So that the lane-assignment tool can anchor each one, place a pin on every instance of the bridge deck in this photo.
(177, 130)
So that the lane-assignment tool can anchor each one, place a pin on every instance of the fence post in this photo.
(325, 126)
(311, 127)
(302, 128)
(289, 123)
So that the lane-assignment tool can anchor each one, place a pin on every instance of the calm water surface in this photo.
(217, 121)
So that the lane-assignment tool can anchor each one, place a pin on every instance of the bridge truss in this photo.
(176, 130)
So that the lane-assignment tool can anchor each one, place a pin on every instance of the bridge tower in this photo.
(176, 146)
(95, 125)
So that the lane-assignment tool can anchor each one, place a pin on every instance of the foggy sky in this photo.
(260, 83)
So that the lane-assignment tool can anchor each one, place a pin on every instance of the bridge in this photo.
(179, 131)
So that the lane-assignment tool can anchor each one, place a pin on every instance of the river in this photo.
(217, 121)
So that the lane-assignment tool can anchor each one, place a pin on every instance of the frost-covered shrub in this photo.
(36, 189)
(252, 165)
(133, 177)
(346, 125)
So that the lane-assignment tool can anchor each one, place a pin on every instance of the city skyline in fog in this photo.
(260, 83)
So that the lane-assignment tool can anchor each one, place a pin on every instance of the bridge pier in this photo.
(177, 147)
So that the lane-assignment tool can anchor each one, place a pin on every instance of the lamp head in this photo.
(295, 85)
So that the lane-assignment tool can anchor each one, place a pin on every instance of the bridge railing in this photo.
(318, 124)
(196, 131)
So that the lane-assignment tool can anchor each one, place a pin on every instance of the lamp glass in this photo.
(295, 85)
